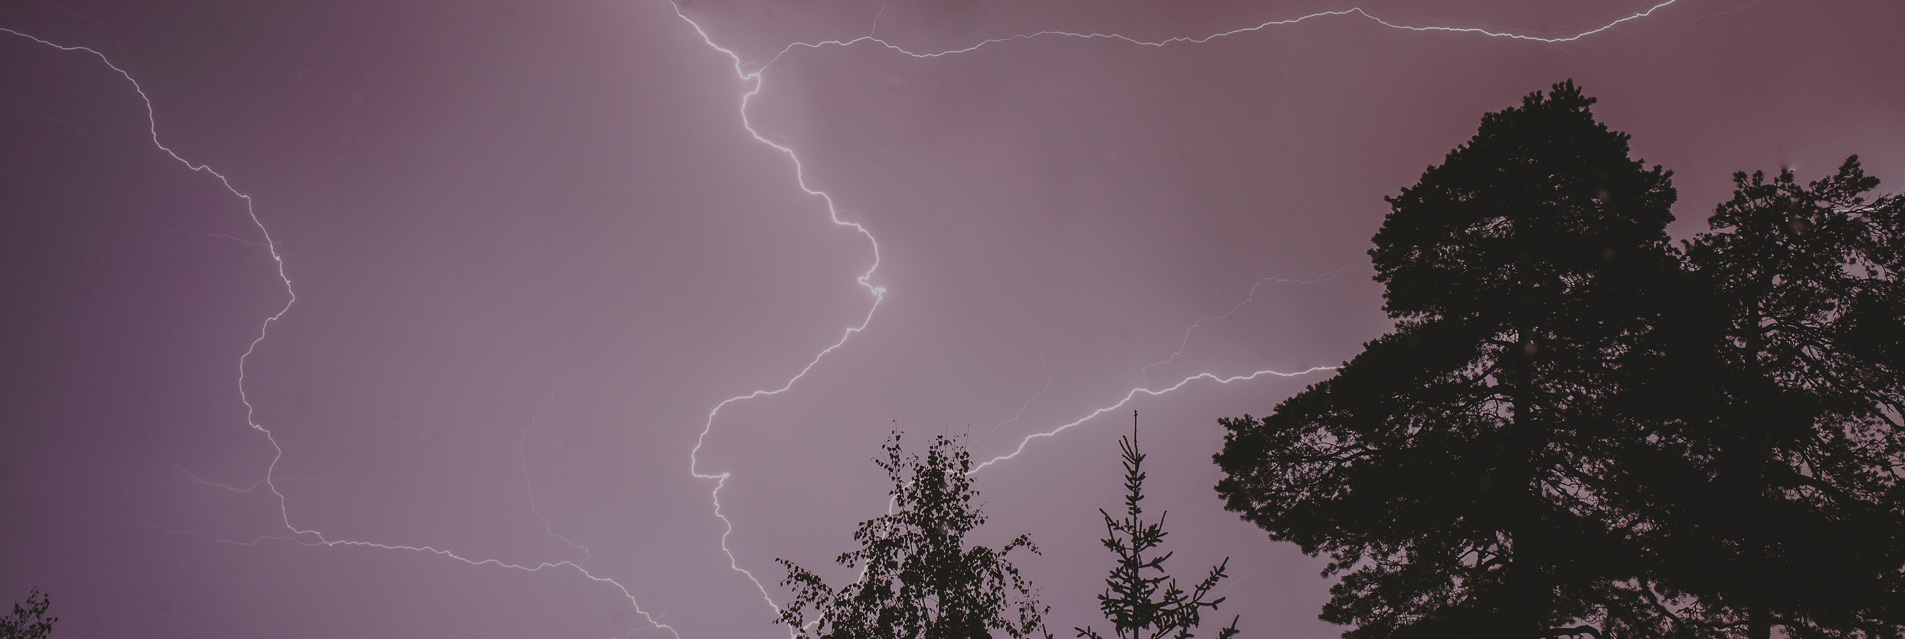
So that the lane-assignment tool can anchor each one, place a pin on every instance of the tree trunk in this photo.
(1759, 625)
(1758, 619)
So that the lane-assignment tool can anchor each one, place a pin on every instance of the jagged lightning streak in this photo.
(1185, 344)
(1133, 394)
(1043, 365)
(152, 128)
(754, 80)
(291, 296)
(1354, 11)
(529, 483)
(309, 537)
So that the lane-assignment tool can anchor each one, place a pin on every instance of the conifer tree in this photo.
(1576, 430)
(1458, 471)
(1141, 599)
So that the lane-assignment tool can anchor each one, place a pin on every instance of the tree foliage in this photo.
(1577, 429)
(1454, 469)
(29, 621)
(919, 579)
(1141, 599)
(1791, 511)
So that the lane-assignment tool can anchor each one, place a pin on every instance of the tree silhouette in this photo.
(1458, 471)
(919, 580)
(1141, 600)
(29, 621)
(1576, 430)
(1781, 502)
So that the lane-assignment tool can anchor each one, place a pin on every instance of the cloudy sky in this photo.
(534, 244)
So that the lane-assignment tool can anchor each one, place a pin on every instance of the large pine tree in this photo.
(1457, 471)
(1577, 430)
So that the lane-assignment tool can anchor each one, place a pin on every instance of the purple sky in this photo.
(533, 245)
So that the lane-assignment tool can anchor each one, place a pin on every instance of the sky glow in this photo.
(1312, 305)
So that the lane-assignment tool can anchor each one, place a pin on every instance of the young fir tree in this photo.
(1141, 600)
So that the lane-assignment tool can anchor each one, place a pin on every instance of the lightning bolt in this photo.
(1133, 394)
(530, 484)
(1028, 402)
(753, 81)
(302, 536)
(1354, 11)
(1186, 343)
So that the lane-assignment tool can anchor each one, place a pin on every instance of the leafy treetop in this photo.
(919, 579)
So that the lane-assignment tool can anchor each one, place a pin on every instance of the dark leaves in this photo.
(919, 579)
(29, 621)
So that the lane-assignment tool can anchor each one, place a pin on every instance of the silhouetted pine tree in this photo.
(1458, 471)
(1575, 430)
(1141, 600)
(1788, 509)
